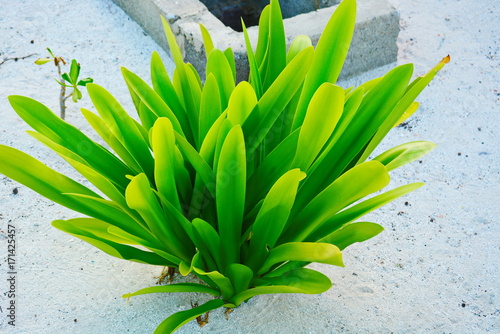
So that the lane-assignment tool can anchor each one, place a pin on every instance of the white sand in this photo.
(434, 269)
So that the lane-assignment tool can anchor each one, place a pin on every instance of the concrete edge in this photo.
(374, 41)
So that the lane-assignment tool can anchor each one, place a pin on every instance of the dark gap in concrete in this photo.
(230, 12)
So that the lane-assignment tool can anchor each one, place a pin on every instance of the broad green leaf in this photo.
(111, 213)
(195, 83)
(175, 50)
(353, 185)
(208, 148)
(76, 95)
(342, 155)
(183, 179)
(135, 99)
(176, 320)
(182, 81)
(241, 103)
(43, 120)
(207, 40)
(230, 194)
(275, 99)
(240, 276)
(103, 130)
(140, 197)
(165, 89)
(352, 233)
(163, 142)
(350, 214)
(289, 115)
(178, 287)
(263, 37)
(90, 174)
(412, 91)
(219, 66)
(254, 78)
(109, 247)
(150, 98)
(323, 113)
(85, 81)
(66, 78)
(299, 43)
(300, 280)
(276, 164)
(202, 168)
(273, 216)
(53, 185)
(74, 71)
(407, 114)
(224, 129)
(275, 60)
(210, 108)
(352, 103)
(97, 228)
(122, 126)
(232, 62)
(41, 61)
(405, 153)
(222, 282)
(303, 251)
(329, 55)
(146, 115)
(207, 241)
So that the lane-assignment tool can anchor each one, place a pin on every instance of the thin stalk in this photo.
(62, 93)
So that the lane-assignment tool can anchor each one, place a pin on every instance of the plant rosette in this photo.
(241, 184)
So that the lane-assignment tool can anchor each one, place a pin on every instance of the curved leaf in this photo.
(241, 103)
(273, 216)
(240, 276)
(350, 214)
(405, 153)
(353, 185)
(176, 320)
(275, 99)
(210, 107)
(178, 287)
(329, 56)
(141, 197)
(323, 113)
(163, 143)
(43, 120)
(300, 280)
(110, 247)
(230, 194)
(303, 251)
(299, 43)
(352, 233)
(218, 65)
(207, 40)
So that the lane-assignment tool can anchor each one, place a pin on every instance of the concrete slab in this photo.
(374, 41)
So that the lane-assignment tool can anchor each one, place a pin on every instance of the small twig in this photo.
(227, 312)
(202, 320)
(62, 97)
(16, 58)
(167, 275)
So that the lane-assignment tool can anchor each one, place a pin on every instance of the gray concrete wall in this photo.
(374, 41)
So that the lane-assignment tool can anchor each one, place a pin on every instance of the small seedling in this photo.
(66, 80)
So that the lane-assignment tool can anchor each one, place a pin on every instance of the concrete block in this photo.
(374, 41)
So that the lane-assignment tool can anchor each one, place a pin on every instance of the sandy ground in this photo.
(434, 269)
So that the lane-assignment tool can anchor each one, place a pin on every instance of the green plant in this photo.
(242, 185)
(66, 80)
